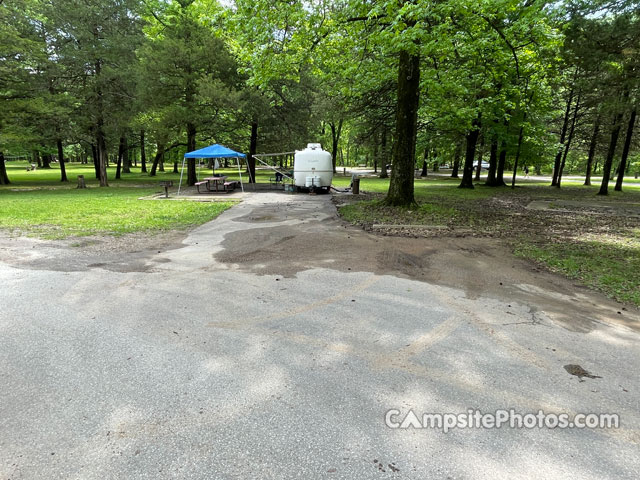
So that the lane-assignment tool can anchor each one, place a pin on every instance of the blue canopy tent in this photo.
(213, 151)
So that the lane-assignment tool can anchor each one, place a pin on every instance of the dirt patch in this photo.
(126, 253)
(397, 260)
(481, 267)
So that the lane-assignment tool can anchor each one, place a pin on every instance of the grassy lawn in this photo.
(584, 236)
(612, 267)
(19, 176)
(38, 204)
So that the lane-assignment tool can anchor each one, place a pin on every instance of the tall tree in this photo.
(608, 163)
(625, 151)
(184, 56)
(95, 46)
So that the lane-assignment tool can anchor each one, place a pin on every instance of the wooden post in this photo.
(355, 186)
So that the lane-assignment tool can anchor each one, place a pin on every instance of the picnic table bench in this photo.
(204, 182)
(230, 186)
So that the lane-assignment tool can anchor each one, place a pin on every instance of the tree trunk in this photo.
(456, 162)
(471, 142)
(102, 158)
(4, 178)
(403, 160)
(143, 153)
(563, 134)
(46, 161)
(253, 147)
(119, 160)
(606, 168)
(592, 150)
(335, 139)
(480, 152)
(63, 170)
(625, 151)
(569, 140)
(375, 152)
(493, 162)
(175, 167)
(156, 159)
(383, 146)
(191, 162)
(556, 167)
(425, 161)
(126, 159)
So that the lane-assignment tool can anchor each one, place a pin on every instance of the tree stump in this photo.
(355, 186)
(81, 183)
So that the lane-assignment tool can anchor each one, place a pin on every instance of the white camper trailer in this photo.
(312, 168)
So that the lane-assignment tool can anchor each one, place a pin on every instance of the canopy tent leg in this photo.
(252, 180)
(181, 173)
(240, 173)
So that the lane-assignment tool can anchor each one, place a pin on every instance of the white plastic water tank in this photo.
(313, 162)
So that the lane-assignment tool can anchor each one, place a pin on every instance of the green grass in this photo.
(38, 204)
(613, 268)
(425, 188)
(19, 176)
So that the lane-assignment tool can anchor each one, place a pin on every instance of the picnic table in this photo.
(227, 185)
(216, 180)
(211, 180)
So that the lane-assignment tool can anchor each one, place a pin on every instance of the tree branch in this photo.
(506, 40)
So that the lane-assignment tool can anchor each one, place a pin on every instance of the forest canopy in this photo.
(550, 86)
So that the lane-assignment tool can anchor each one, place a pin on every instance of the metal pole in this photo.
(181, 172)
(240, 173)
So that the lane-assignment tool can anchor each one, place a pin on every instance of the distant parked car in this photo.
(483, 166)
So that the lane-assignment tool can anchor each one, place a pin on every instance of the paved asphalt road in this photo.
(233, 358)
